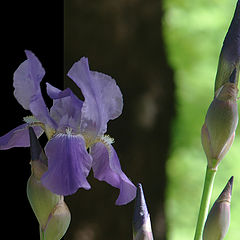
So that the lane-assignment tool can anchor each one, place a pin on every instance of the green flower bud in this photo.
(50, 210)
(41, 199)
(58, 222)
(142, 229)
(218, 220)
(221, 121)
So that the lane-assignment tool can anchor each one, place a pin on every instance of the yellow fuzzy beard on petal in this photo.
(32, 121)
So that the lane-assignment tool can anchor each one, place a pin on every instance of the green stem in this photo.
(206, 196)
(41, 233)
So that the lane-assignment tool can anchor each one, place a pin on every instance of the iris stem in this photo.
(206, 196)
(41, 233)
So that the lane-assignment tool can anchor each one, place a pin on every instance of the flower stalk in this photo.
(204, 206)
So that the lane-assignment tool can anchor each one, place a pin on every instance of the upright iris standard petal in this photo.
(68, 164)
(103, 98)
(26, 82)
(18, 137)
(110, 95)
(66, 109)
(106, 167)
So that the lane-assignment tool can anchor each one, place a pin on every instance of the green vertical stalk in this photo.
(206, 196)
(41, 233)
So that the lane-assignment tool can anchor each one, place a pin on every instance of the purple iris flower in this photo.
(76, 129)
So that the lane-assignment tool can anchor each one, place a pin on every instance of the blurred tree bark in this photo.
(124, 39)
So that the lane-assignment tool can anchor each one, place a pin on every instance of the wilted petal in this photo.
(106, 167)
(68, 164)
(103, 98)
(66, 109)
(18, 137)
(26, 82)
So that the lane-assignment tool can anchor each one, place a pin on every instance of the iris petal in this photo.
(26, 82)
(103, 98)
(27, 79)
(66, 109)
(106, 167)
(68, 164)
(18, 137)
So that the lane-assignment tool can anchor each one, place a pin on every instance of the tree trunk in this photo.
(124, 39)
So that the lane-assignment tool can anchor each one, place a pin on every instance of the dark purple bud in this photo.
(35, 148)
(218, 220)
(142, 229)
(229, 60)
(39, 161)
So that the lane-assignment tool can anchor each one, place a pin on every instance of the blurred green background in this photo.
(194, 32)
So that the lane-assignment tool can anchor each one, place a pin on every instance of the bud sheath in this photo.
(221, 121)
(142, 229)
(218, 220)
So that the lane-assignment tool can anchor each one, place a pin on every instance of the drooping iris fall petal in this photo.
(68, 164)
(106, 167)
(18, 137)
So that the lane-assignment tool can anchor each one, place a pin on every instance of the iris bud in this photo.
(221, 121)
(229, 60)
(142, 229)
(41, 199)
(50, 209)
(57, 223)
(218, 220)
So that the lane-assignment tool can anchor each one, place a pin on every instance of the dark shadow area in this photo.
(36, 26)
(124, 40)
